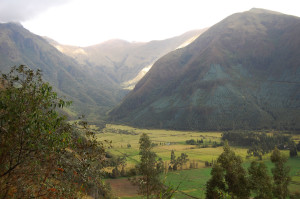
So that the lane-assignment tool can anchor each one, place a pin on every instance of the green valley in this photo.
(212, 113)
(194, 174)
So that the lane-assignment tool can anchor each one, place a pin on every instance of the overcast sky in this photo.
(88, 22)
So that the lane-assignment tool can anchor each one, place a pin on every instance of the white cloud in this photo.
(87, 22)
(21, 10)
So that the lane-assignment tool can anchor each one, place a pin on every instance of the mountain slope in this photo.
(94, 77)
(242, 73)
(19, 46)
(122, 61)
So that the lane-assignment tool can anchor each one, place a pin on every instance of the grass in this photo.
(192, 181)
(166, 141)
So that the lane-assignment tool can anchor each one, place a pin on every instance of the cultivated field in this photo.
(165, 140)
(192, 181)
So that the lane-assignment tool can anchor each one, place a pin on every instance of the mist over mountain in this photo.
(242, 73)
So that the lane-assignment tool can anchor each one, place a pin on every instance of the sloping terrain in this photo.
(125, 62)
(19, 46)
(242, 73)
(95, 78)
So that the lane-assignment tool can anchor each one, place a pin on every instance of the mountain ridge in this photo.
(93, 86)
(124, 60)
(226, 79)
(20, 46)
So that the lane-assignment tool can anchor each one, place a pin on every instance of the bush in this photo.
(40, 153)
(191, 142)
(132, 172)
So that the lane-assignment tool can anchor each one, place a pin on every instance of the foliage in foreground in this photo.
(41, 155)
(280, 175)
(228, 175)
(228, 178)
(150, 170)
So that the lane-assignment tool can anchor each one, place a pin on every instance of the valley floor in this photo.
(191, 180)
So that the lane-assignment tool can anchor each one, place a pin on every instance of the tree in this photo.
(41, 155)
(255, 151)
(229, 179)
(173, 158)
(117, 162)
(298, 146)
(216, 182)
(182, 159)
(235, 174)
(280, 175)
(229, 168)
(260, 181)
(174, 163)
(149, 168)
(115, 173)
(293, 149)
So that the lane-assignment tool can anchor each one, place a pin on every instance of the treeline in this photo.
(260, 143)
(120, 131)
(247, 139)
(229, 179)
(118, 164)
(203, 143)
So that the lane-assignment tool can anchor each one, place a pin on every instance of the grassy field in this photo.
(166, 141)
(192, 181)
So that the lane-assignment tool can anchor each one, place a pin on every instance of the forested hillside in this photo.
(242, 73)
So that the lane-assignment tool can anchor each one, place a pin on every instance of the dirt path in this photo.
(122, 187)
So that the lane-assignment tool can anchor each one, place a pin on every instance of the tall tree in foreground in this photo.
(260, 181)
(235, 174)
(216, 182)
(41, 155)
(228, 176)
(280, 175)
(149, 168)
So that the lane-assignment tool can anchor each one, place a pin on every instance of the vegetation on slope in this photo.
(242, 73)
(41, 155)
(68, 78)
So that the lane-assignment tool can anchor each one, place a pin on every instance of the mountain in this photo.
(242, 73)
(124, 62)
(95, 78)
(70, 79)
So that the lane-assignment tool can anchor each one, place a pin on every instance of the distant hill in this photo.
(242, 73)
(125, 62)
(70, 79)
